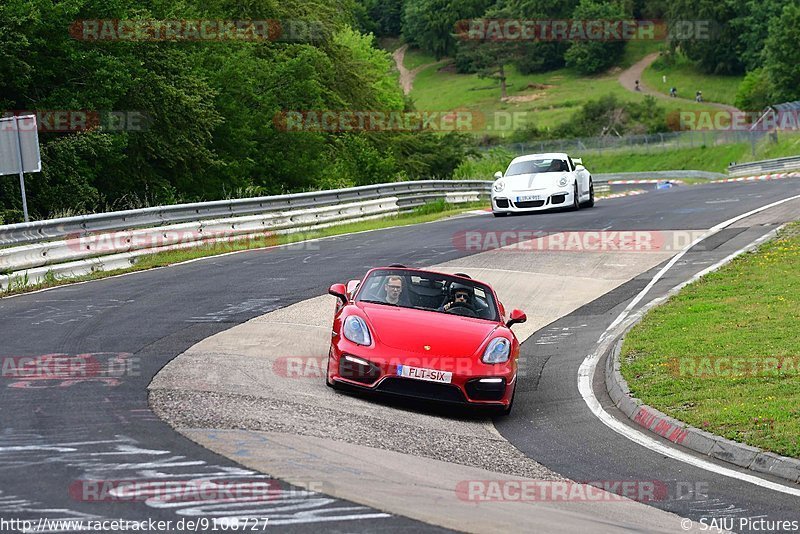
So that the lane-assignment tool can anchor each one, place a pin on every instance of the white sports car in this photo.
(539, 182)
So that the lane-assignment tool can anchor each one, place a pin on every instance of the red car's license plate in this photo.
(419, 373)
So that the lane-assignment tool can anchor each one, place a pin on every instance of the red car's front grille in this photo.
(358, 373)
(421, 389)
(478, 390)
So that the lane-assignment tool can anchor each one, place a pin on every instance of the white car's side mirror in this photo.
(498, 175)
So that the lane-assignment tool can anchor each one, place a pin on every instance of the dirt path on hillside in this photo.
(627, 79)
(407, 76)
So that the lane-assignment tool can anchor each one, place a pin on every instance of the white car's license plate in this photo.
(429, 375)
(528, 198)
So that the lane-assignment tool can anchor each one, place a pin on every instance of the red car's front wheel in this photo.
(507, 410)
(328, 381)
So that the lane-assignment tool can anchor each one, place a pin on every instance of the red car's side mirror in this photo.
(517, 316)
(339, 291)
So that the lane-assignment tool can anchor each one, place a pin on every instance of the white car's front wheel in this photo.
(590, 203)
(576, 202)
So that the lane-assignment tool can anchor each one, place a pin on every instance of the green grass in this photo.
(702, 158)
(416, 58)
(556, 95)
(713, 159)
(431, 211)
(746, 310)
(788, 145)
(688, 79)
(553, 96)
(636, 50)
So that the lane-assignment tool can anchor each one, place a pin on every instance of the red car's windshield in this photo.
(424, 290)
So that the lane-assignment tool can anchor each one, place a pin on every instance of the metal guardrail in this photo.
(765, 166)
(75, 245)
(666, 175)
(79, 245)
(408, 193)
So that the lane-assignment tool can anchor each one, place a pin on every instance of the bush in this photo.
(11, 216)
(608, 115)
(483, 167)
(753, 93)
(426, 155)
(541, 57)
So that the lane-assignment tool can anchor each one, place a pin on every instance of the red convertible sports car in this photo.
(423, 334)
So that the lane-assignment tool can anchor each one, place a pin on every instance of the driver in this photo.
(460, 296)
(394, 290)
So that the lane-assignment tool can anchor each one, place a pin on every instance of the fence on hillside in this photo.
(649, 143)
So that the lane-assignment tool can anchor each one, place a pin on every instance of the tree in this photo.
(385, 15)
(782, 56)
(721, 49)
(431, 24)
(592, 56)
(488, 59)
(760, 17)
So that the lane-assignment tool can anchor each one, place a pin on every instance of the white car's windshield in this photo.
(422, 290)
(534, 166)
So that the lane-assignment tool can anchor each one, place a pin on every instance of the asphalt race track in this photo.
(93, 423)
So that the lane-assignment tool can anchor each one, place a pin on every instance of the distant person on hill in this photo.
(698, 97)
(673, 92)
(636, 86)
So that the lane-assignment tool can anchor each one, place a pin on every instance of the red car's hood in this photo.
(412, 330)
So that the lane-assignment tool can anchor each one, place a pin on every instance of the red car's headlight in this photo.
(497, 351)
(355, 330)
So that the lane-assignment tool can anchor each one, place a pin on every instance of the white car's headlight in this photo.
(562, 182)
(355, 329)
(498, 186)
(497, 351)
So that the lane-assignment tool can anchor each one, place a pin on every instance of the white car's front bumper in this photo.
(510, 201)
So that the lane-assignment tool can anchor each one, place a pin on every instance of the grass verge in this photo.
(429, 212)
(417, 58)
(714, 158)
(724, 354)
(687, 79)
(543, 100)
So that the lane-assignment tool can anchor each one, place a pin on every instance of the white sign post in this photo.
(19, 150)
